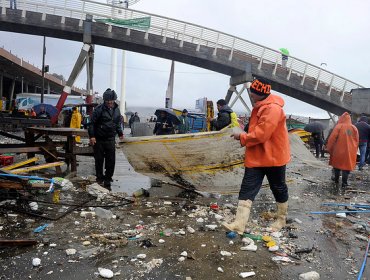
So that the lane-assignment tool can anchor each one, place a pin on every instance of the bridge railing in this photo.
(184, 32)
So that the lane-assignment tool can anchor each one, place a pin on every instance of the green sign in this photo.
(138, 23)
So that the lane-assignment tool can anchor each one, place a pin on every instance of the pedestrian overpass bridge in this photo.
(180, 41)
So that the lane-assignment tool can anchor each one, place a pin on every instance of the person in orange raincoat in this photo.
(342, 146)
(267, 153)
(76, 122)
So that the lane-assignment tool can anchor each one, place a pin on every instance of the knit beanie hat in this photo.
(260, 87)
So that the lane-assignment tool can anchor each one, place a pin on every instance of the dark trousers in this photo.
(253, 178)
(345, 175)
(318, 147)
(105, 150)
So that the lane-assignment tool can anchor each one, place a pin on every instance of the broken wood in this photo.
(37, 167)
(17, 242)
(21, 163)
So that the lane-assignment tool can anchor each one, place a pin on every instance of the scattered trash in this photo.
(252, 236)
(184, 254)
(250, 247)
(312, 275)
(103, 213)
(341, 215)
(361, 237)
(86, 243)
(190, 229)
(247, 274)
(181, 259)
(219, 269)
(34, 206)
(71, 251)
(141, 256)
(298, 221)
(200, 220)
(231, 235)
(282, 259)
(274, 248)
(161, 241)
(40, 228)
(146, 243)
(36, 262)
(87, 214)
(225, 254)
(105, 273)
(211, 227)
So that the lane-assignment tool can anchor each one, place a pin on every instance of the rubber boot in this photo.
(241, 218)
(282, 212)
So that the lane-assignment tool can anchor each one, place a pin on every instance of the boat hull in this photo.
(206, 161)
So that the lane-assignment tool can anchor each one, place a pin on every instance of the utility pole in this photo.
(43, 71)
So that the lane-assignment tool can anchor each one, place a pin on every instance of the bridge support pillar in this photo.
(1, 85)
(361, 101)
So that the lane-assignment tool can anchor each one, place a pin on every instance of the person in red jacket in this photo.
(267, 153)
(342, 147)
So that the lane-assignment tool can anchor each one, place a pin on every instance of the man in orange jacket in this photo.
(342, 147)
(267, 153)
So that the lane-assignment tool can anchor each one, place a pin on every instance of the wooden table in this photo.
(50, 146)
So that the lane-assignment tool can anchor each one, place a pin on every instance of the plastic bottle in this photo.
(103, 213)
(56, 196)
(252, 236)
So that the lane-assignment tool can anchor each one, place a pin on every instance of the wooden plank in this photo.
(46, 151)
(62, 131)
(21, 163)
(37, 167)
(20, 150)
(17, 242)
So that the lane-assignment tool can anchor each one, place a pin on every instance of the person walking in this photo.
(104, 126)
(76, 120)
(184, 126)
(318, 140)
(267, 153)
(342, 147)
(364, 132)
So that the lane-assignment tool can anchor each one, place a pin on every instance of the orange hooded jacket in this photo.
(267, 140)
(343, 143)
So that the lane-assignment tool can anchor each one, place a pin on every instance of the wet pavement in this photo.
(327, 243)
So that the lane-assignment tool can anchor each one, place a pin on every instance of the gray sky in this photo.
(333, 31)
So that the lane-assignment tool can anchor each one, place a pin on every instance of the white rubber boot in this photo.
(282, 212)
(241, 218)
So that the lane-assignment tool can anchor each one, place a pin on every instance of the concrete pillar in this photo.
(26, 87)
(48, 92)
(11, 94)
(1, 85)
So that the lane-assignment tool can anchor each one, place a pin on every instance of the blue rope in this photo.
(364, 262)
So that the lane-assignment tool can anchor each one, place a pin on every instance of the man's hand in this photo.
(92, 141)
(209, 119)
(236, 136)
(121, 137)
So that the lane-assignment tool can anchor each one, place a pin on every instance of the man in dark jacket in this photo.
(164, 125)
(223, 117)
(318, 140)
(364, 131)
(184, 126)
(105, 125)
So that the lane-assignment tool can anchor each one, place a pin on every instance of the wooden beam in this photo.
(20, 150)
(21, 163)
(37, 167)
(8, 135)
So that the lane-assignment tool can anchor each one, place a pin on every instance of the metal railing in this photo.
(187, 32)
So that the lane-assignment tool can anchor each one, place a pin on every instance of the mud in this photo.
(332, 248)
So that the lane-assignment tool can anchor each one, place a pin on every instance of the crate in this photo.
(6, 160)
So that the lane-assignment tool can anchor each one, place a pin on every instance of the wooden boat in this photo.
(206, 161)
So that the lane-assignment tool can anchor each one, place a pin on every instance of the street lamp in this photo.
(43, 71)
